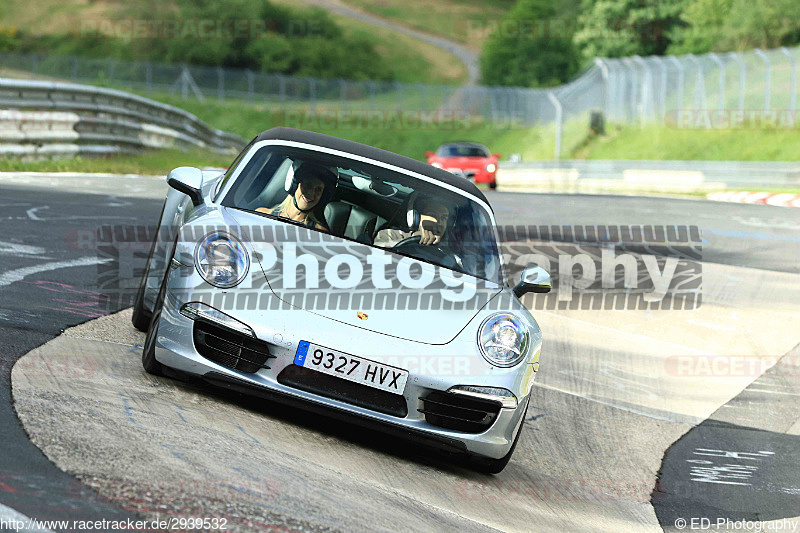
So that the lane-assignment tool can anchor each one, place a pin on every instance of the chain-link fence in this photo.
(750, 89)
(706, 89)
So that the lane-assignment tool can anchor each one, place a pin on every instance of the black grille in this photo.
(345, 391)
(230, 348)
(459, 412)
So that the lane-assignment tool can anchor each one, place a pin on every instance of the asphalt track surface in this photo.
(612, 442)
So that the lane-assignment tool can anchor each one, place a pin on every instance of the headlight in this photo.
(491, 167)
(437, 165)
(221, 259)
(503, 340)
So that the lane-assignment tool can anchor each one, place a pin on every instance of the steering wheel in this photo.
(438, 251)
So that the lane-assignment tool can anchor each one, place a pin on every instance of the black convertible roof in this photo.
(363, 150)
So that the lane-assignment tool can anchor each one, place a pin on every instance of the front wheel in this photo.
(493, 185)
(141, 317)
(151, 366)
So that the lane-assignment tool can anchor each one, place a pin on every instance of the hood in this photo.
(361, 286)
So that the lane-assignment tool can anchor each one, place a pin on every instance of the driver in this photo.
(433, 218)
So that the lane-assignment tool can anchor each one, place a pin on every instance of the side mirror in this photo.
(534, 279)
(189, 181)
(429, 154)
(497, 156)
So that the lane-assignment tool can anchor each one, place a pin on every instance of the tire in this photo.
(151, 366)
(487, 465)
(141, 317)
(493, 185)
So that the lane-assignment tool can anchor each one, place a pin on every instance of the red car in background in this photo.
(471, 161)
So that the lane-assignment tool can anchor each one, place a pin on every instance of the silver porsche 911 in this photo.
(350, 281)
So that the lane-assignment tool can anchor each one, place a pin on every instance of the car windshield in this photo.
(462, 150)
(371, 205)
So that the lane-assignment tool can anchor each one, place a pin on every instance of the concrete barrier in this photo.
(675, 177)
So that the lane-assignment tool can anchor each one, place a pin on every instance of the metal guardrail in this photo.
(45, 119)
(589, 176)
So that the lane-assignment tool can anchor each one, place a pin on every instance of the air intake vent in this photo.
(345, 391)
(459, 412)
(229, 348)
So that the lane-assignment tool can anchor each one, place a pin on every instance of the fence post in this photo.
(220, 84)
(250, 84)
(699, 84)
(184, 83)
(601, 64)
(648, 106)
(793, 79)
(312, 94)
(662, 65)
(679, 65)
(282, 87)
(632, 84)
(343, 93)
(559, 116)
(619, 89)
(371, 85)
(742, 77)
(148, 77)
(73, 63)
(721, 77)
(767, 72)
(110, 69)
(399, 88)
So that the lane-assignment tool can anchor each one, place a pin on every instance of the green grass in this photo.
(248, 120)
(413, 139)
(659, 142)
(156, 163)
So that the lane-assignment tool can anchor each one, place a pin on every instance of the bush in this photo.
(524, 58)
(290, 41)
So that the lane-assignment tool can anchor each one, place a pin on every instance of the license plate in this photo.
(350, 367)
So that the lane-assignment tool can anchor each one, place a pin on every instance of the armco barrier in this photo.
(45, 119)
(647, 176)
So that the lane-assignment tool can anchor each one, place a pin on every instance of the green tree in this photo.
(724, 25)
(619, 28)
(531, 48)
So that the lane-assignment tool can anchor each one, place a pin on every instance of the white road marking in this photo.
(694, 419)
(7, 514)
(629, 334)
(772, 392)
(19, 274)
(32, 212)
(12, 248)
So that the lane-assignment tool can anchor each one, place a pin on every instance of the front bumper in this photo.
(176, 349)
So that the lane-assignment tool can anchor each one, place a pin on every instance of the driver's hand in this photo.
(427, 233)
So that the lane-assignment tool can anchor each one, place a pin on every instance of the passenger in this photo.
(431, 228)
(312, 186)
